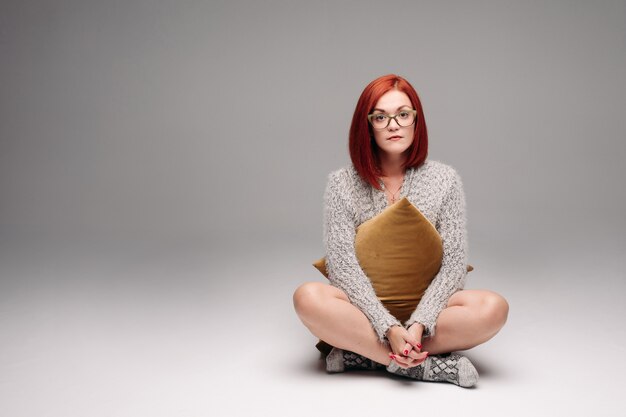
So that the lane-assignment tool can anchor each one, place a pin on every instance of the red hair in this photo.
(363, 148)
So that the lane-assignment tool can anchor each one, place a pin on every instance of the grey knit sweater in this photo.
(436, 190)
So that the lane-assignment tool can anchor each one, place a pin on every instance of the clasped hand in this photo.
(406, 348)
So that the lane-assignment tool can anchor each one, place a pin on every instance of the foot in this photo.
(450, 367)
(339, 360)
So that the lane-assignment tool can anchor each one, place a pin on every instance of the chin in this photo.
(395, 154)
(394, 150)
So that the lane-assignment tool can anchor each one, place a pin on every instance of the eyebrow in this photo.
(405, 105)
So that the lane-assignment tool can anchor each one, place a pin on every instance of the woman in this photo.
(388, 147)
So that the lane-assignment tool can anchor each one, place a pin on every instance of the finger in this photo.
(412, 363)
(421, 361)
(416, 363)
(407, 349)
(400, 360)
(418, 355)
(415, 344)
(396, 359)
(404, 365)
(414, 355)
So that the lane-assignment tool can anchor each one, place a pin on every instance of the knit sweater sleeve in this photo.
(451, 275)
(344, 271)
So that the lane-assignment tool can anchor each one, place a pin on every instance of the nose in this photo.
(392, 125)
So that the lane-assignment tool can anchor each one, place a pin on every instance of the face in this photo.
(394, 139)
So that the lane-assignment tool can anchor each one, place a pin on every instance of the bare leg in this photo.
(327, 312)
(472, 317)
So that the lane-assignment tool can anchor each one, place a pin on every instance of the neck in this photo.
(391, 165)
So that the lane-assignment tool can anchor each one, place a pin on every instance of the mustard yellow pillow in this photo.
(401, 252)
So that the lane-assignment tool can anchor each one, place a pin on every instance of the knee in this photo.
(306, 298)
(495, 310)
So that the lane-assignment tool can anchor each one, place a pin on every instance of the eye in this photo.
(380, 117)
(404, 114)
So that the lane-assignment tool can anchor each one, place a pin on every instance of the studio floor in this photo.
(198, 329)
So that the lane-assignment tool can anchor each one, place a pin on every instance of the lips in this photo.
(395, 138)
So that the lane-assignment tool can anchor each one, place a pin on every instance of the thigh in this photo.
(471, 298)
(319, 290)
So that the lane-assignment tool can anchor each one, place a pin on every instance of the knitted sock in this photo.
(339, 360)
(449, 367)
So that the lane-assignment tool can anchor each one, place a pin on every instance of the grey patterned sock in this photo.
(450, 367)
(339, 360)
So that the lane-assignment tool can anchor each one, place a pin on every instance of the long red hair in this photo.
(363, 148)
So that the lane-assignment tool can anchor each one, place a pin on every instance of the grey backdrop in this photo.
(157, 155)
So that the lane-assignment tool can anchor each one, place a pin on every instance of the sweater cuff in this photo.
(382, 327)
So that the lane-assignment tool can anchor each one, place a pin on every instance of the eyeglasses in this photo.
(380, 121)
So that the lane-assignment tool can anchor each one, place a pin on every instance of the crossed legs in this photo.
(471, 317)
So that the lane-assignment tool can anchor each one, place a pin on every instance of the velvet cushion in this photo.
(401, 252)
